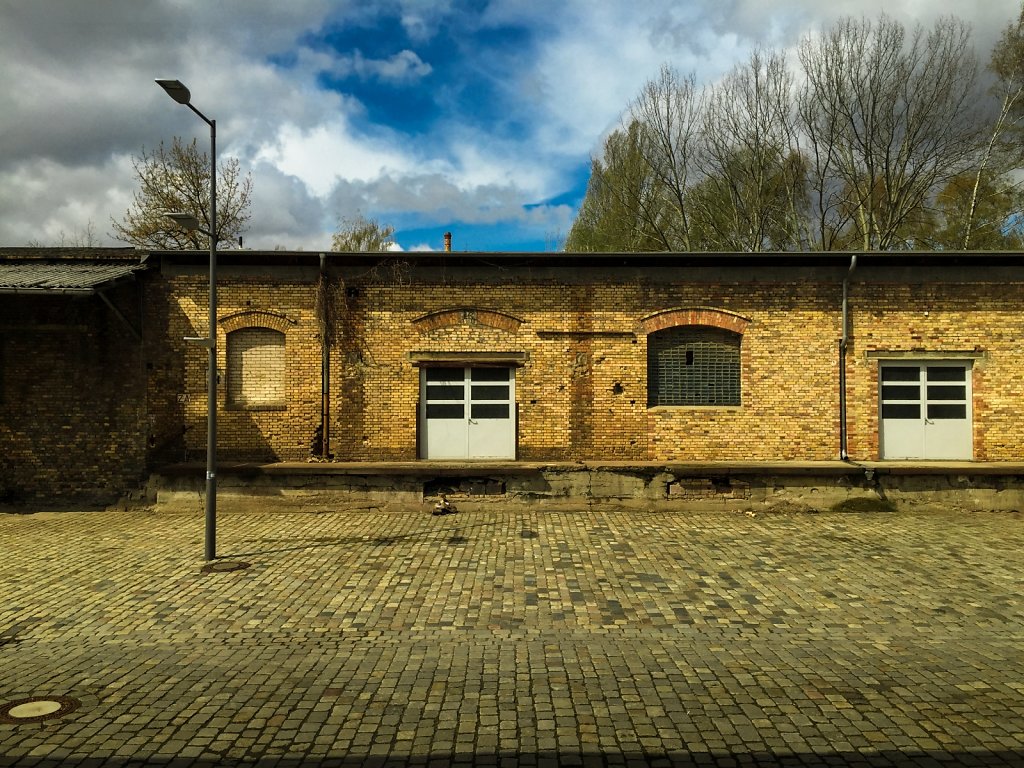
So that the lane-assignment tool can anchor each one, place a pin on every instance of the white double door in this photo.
(467, 413)
(926, 410)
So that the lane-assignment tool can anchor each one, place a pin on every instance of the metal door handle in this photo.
(472, 421)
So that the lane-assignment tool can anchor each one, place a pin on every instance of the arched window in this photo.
(693, 365)
(256, 368)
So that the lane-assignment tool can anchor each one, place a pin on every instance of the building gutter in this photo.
(325, 377)
(844, 343)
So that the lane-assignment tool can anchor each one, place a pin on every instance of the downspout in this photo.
(325, 372)
(844, 454)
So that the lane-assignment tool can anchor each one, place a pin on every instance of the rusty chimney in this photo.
(448, 241)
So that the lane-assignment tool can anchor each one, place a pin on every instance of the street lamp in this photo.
(177, 91)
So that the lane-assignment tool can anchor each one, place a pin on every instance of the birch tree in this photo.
(890, 119)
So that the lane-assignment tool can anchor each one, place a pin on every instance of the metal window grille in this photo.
(693, 366)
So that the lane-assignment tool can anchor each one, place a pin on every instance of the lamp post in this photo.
(177, 91)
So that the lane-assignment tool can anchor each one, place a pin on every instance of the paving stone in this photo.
(622, 637)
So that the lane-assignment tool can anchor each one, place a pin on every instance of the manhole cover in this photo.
(37, 709)
(225, 566)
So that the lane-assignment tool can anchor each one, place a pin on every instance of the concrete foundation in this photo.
(750, 487)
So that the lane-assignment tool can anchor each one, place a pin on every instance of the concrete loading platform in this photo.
(692, 486)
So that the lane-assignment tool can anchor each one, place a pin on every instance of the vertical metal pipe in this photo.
(325, 369)
(211, 392)
(843, 343)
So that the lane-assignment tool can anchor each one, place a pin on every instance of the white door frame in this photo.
(467, 413)
(925, 409)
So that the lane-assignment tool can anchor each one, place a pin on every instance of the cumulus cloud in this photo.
(79, 99)
(404, 67)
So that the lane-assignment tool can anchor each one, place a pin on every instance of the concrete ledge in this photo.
(691, 486)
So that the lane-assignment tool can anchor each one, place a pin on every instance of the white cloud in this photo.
(404, 67)
(80, 100)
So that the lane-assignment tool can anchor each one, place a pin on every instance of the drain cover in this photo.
(225, 566)
(36, 709)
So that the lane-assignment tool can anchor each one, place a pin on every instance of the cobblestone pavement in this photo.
(516, 638)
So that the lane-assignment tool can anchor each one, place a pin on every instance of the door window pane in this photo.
(446, 392)
(489, 374)
(901, 373)
(445, 411)
(444, 374)
(490, 393)
(946, 373)
(947, 411)
(489, 411)
(901, 411)
(947, 392)
(897, 392)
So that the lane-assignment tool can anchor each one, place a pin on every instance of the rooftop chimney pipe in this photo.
(447, 241)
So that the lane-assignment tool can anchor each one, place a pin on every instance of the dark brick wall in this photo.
(72, 405)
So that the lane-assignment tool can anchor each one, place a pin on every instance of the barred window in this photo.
(256, 368)
(693, 365)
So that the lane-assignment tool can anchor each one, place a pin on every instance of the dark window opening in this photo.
(693, 365)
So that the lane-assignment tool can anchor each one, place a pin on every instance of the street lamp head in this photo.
(176, 90)
(184, 220)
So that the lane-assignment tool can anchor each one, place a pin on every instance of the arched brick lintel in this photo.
(256, 318)
(707, 316)
(446, 318)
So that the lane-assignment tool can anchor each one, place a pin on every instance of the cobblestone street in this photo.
(518, 638)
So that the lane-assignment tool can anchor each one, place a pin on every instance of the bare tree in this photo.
(176, 179)
(361, 234)
(753, 182)
(889, 119)
(1001, 150)
(667, 114)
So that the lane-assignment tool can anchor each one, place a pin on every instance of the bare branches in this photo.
(177, 179)
(360, 234)
(885, 118)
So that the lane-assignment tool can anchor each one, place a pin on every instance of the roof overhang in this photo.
(66, 277)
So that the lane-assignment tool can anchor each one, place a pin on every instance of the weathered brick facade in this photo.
(576, 331)
(72, 405)
(85, 407)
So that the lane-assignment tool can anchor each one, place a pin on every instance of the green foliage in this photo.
(625, 209)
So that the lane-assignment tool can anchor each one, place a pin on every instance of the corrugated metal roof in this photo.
(79, 276)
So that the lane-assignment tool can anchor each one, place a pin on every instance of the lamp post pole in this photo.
(177, 91)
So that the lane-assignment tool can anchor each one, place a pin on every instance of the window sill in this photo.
(675, 408)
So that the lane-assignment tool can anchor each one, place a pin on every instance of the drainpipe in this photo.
(325, 376)
(843, 344)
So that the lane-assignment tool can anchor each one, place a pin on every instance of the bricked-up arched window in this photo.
(693, 365)
(256, 368)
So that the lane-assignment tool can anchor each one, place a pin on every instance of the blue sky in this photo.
(477, 117)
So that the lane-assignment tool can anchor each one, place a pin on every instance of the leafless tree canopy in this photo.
(879, 139)
(360, 234)
(176, 179)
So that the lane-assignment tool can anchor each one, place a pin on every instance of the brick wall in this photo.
(582, 394)
(979, 322)
(582, 391)
(72, 408)
(271, 413)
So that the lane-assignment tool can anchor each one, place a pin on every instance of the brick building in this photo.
(549, 357)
